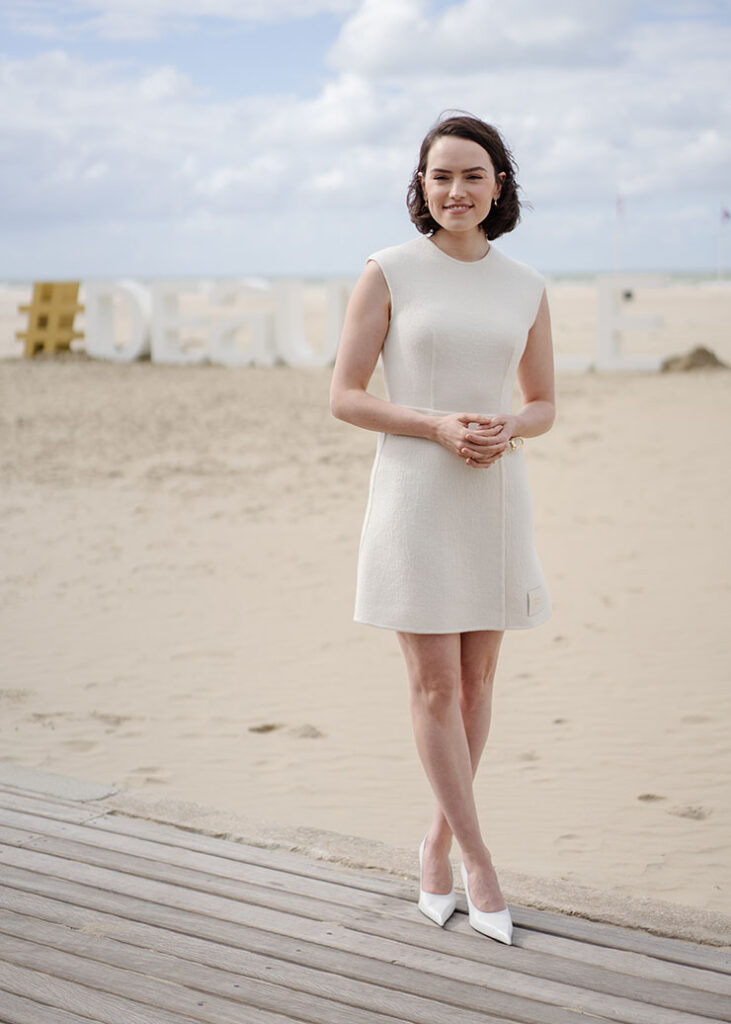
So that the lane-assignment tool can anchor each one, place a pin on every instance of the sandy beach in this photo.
(178, 564)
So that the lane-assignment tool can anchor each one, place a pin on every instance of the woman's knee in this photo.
(476, 689)
(478, 664)
(434, 691)
(434, 670)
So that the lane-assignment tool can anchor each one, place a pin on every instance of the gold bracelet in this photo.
(516, 442)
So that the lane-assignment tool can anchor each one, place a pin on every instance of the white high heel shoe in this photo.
(439, 907)
(497, 924)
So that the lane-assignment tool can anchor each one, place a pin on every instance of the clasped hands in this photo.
(479, 440)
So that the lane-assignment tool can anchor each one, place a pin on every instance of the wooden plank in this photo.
(596, 933)
(673, 950)
(21, 1010)
(342, 931)
(49, 803)
(102, 1007)
(48, 807)
(269, 888)
(185, 834)
(175, 838)
(474, 994)
(213, 867)
(168, 988)
(19, 837)
(304, 891)
(593, 933)
(260, 896)
(566, 925)
(619, 960)
(108, 818)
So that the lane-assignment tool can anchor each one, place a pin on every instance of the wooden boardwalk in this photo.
(108, 917)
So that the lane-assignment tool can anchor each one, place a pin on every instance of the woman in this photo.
(447, 556)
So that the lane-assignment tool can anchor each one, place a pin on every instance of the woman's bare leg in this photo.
(479, 657)
(451, 680)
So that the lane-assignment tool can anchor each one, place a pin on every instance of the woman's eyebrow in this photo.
(441, 170)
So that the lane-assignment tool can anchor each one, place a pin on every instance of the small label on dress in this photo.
(536, 600)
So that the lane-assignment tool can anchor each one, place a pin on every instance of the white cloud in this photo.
(146, 19)
(85, 140)
(165, 83)
(116, 146)
(96, 171)
(397, 37)
(580, 129)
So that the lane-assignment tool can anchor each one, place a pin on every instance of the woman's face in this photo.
(459, 183)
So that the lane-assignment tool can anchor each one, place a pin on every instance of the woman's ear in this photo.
(423, 188)
(501, 181)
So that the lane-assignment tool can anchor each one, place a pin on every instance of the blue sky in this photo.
(226, 137)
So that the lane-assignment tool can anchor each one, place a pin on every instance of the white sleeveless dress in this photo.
(446, 547)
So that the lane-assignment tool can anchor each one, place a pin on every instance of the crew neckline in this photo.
(464, 263)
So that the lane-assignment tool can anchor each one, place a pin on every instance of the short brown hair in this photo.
(502, 217)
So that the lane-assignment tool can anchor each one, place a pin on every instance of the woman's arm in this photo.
(364, 331)
(536, 382)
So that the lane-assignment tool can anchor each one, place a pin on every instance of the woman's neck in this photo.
(462, 245)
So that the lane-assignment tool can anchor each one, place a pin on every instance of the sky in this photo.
(176, 138)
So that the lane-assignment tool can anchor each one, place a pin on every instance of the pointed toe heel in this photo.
(438, 907)
(495, 924)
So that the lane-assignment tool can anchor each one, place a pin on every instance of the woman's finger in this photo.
(486, 450)
(484, 428)
(485, 437)
(474, 453)
(480, 459)
(483, 454)
(473, 417)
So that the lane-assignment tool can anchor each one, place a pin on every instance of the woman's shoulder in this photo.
(520, 271)
(394, 255)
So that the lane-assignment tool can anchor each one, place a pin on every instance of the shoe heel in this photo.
(438, 907)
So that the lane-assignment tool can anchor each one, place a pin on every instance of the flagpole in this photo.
(724, 218)
(618, 213)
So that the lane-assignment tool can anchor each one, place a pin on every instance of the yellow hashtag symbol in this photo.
(51, 317)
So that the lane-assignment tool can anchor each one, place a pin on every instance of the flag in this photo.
(725, 215)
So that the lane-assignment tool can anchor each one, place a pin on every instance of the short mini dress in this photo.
(446, 547)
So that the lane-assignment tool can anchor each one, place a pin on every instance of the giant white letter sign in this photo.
(256, 324)
(293, 346)
(100, 319)
(168, 324)
(612, 320)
